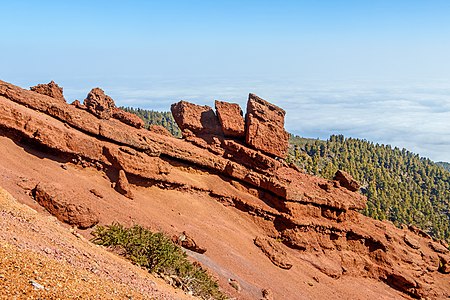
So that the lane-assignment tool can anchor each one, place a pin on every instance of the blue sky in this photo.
(378, 70)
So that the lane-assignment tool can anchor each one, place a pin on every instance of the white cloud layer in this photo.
(412, 115)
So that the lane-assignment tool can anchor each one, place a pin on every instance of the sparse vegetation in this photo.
(159, 255)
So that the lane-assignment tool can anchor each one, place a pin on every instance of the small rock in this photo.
(128, 118)
(185, 241)
(235, 284)
(413, 243)
(96, 193)
(437, 247)
(64, 166)
(346, 180)
(122, 185)
(267, 294)
(273, 251)
(78, 104)
(316, 279)
(36, 285)
(50, 89)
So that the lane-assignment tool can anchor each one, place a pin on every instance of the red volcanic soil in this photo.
(265, 226)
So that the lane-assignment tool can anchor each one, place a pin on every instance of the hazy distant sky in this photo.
(378, 70)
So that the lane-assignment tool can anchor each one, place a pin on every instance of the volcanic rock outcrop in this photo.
(50, 89)
(304, 219)
(195, 118)
(263, 128)
(231, 118)
(103, 106)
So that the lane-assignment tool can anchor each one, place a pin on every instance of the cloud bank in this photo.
(412, 115)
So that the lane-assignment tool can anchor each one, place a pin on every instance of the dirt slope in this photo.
(36, 249)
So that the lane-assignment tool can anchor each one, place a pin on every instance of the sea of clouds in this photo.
(412, 115)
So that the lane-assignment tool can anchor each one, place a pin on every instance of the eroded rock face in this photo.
(60, 204)
(128, 118)
(99, 104)
(78, 104)
(158, 129)
(346, 180)
(231, 118)
(273, 251)
(50, 89)
(265, 127)
(196, 118)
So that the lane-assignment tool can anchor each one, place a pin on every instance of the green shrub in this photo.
(158, 254)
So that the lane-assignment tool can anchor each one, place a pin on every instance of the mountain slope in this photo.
(267, 228)
(400, 186)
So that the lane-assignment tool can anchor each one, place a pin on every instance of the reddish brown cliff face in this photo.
(265, 225)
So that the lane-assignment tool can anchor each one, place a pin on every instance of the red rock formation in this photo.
(316, 218)
(99, 104)
(122, 185)
(60, 204)
(158, 129)
(78, 104)
(265, 127)
(346, 180)
(273, 251)
(50, 89)
(185, 241)
(196, 118)
(231, 118)
(128, 118)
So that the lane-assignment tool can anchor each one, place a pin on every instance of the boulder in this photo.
(265, 127)
(273, 251)
(231, 119)
(99, 104)
(196, 118)
(444, 264)
(412, 242)
(267, 294)
(159, 130)
(128, 118)
(78, 104)
(346, 180)
(60, 204)
(50, 89)
(122, 185)
(185, 241)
